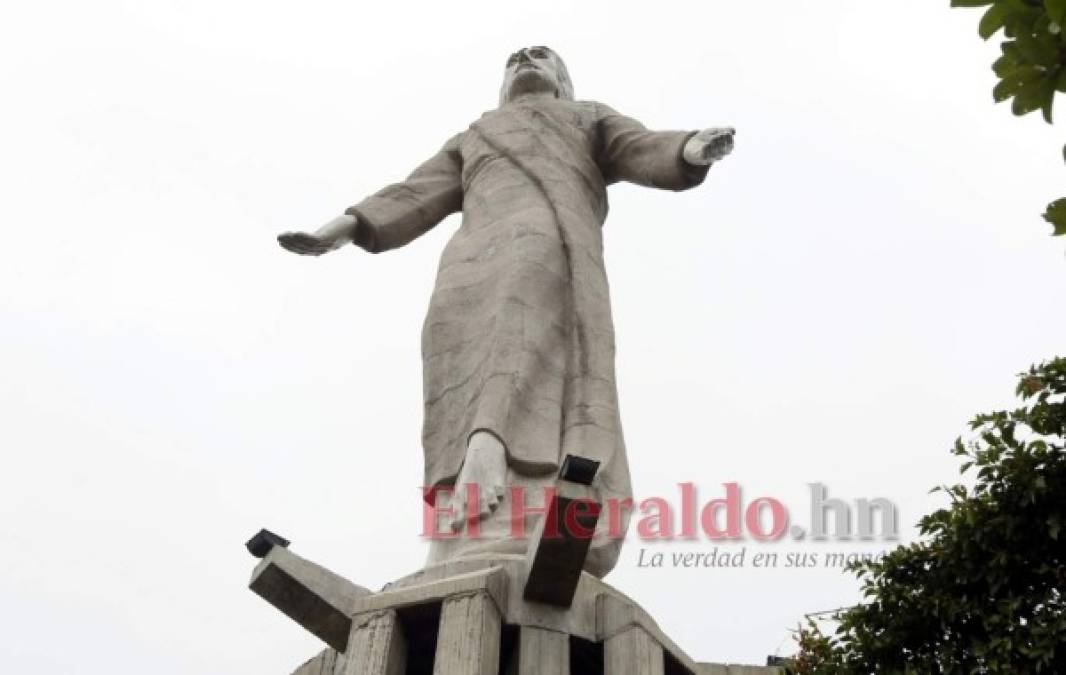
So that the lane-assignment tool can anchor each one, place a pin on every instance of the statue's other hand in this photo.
(709, 146)
(332, 235)
(305, 243)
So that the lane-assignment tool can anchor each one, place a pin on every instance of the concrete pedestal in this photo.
(470, 617)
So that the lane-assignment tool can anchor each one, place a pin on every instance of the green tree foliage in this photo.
(982, 591)
(1032, 68)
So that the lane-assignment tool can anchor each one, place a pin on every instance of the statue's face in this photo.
(535, 70)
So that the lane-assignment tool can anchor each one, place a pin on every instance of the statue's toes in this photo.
(491, 498)
(489, 502)
(458, 515)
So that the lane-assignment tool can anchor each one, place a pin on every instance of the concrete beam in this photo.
(309, 594)
(561, 543)
(492, 581)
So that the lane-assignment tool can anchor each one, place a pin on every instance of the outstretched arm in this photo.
(395, 215)
(672, 160)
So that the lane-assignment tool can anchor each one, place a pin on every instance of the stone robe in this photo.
(519, 340)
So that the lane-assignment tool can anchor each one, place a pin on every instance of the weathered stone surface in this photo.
(579, 620)
(312, 596)
(633, 652)
(542, 652)
(518, 344)
(518, 368)
(376, 646)
(734, 669)
(468, 642)
(328, 662)
(468, 600)
(597, 612)
(492, 581)
(616, 615)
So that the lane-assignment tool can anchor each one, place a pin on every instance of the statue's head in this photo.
(534, 70)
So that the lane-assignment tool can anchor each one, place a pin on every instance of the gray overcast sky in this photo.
(866, 272)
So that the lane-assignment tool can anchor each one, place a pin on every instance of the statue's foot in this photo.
(485, 467)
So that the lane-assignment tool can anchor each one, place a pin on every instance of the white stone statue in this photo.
(518, 344)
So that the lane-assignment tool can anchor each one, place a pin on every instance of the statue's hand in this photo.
(332, 235)
(709, 146)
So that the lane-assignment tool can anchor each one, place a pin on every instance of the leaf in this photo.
(1056, 215)
(1010, 50)
(1060, 81)
(1005, 65)
(1015, 82)
(1041, 50)
(1033, 96)
(1056, 10)
(1004, 90)
(1018, 5)
(992, 21)
(1021, 16)
(958, 449)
